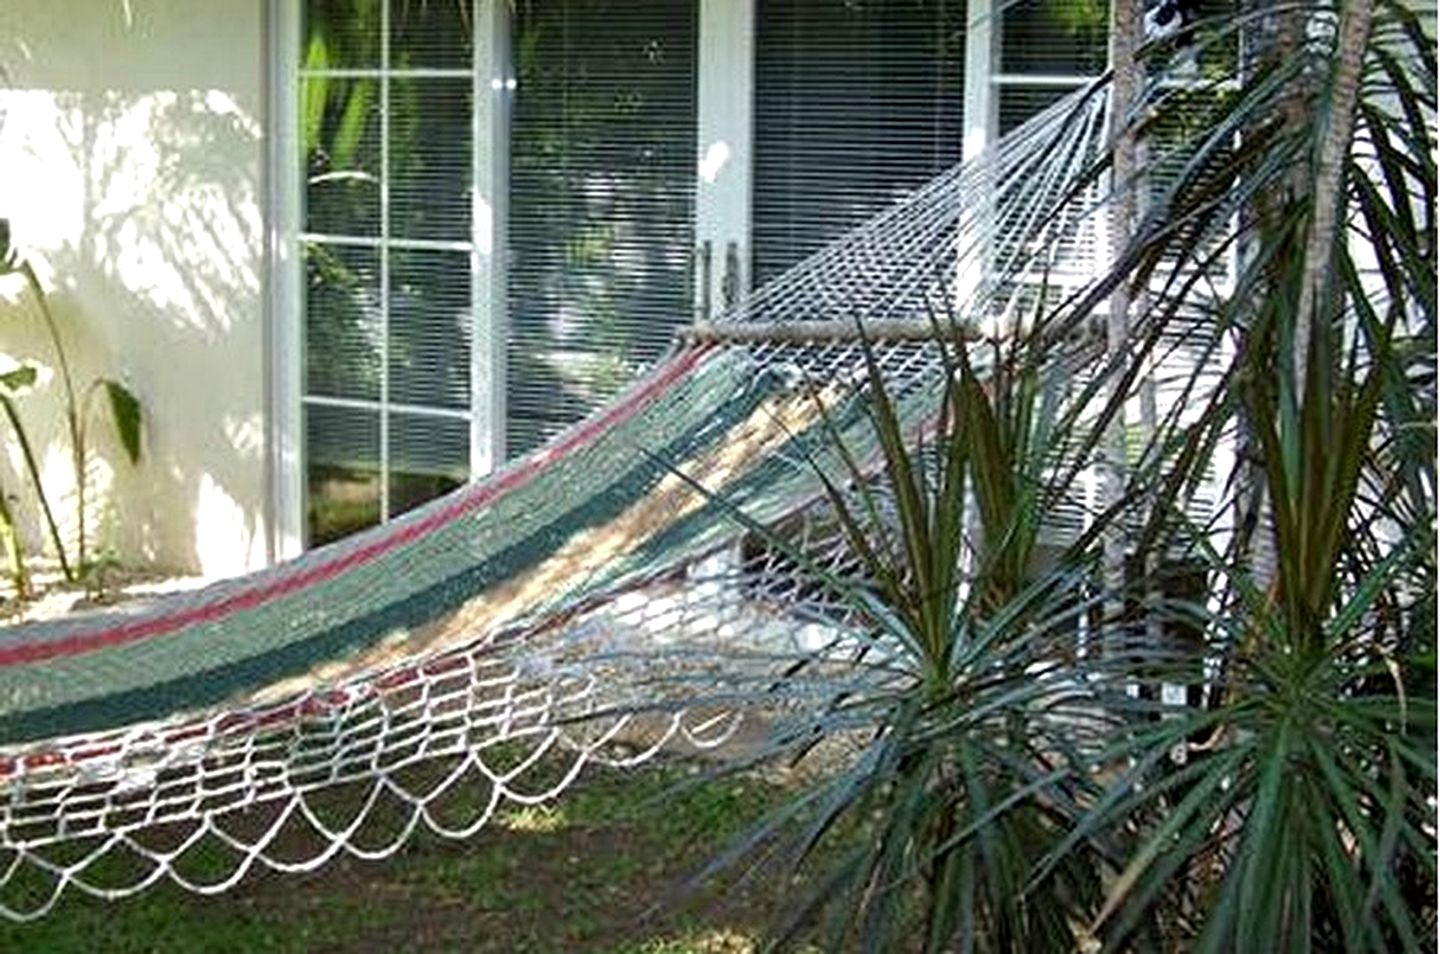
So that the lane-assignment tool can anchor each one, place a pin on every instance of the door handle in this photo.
(702, 280)
(730, 284)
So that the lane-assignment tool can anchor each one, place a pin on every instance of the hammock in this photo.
(482, 649)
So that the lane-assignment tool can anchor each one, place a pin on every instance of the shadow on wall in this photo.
(141, 213)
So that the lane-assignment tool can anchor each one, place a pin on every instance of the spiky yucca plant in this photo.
(1008, 795)
(1292, 808)
(974, 716)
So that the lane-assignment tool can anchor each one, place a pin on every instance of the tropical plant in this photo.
(125, 414)
(1302, 815)
(976, 718)
(13, 385)
(16, 378)
(1010, 794)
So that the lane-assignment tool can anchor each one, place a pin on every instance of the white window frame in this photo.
(725, 106)
(284, 338)
(285, 344)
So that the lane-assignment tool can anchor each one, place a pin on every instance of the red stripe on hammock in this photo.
(482, 495)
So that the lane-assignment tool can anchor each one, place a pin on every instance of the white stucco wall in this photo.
(131, 167)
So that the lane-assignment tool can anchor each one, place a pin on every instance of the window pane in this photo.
(857, 102)
(340, 34)
(1055, 37)
(602, 190)
(430, 328)
(340, 125)
(430, 126)
(429, 456)
(1019, 103)
(342, 448)
(434, 34)
(1216, 56)
(342, 321)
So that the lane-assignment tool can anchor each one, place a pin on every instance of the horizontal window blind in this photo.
(857, 102)
(1055, 38)
(1045, 50)
(386, 112)
(602, 194)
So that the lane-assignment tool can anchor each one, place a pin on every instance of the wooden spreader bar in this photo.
(895, 329)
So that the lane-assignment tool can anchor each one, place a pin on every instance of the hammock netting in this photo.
(588, 603)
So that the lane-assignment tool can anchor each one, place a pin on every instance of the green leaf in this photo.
(19, 379)
(125, 411)
(351, 130)
(7, 254)
(317, 57)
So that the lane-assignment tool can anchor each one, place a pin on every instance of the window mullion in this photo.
(478, 90)
(385, 261)
(490, 130)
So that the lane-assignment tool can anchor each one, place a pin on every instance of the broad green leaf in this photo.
(7, 254)
(126, 413)
(17, 380)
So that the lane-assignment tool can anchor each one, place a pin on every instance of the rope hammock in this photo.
(571, 608)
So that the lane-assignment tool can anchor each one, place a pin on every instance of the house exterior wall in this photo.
(132, 168)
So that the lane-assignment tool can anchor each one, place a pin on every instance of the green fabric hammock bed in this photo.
(520, 622)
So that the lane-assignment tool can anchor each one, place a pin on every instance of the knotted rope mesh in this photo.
(589, 603)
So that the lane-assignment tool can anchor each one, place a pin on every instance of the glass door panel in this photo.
(601, 199)
(857, 102)
(386, 132)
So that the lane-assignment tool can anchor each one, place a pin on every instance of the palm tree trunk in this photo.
(1332, 131)
(1125, 39)
(1336, 126)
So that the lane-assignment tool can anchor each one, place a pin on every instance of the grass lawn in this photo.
(581, 875)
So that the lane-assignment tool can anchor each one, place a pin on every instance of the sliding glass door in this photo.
(385, 242)
(489, 234)
(499, 210)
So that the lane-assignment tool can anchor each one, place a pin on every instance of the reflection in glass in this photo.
(385, 323)
(430, 130)
(340, 34)
(1055, 37)
(342, 321)
(342, 450)
(341, 129)
(602, 189)
(431, 34)
(429, 457)
(430, 328)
